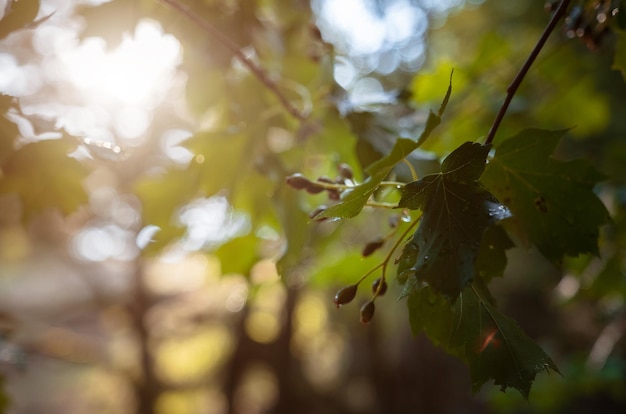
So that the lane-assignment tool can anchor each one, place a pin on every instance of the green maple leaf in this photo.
(493, 345)
(356, 198)
(43, 176)
(457, 210)
(552, 201)
(491, 260)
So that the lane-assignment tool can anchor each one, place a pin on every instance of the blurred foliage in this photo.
(43, 176)
(263, 105)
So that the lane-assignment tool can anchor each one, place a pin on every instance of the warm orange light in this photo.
(489, 339)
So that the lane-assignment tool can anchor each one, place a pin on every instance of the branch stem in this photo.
(254, 68)
(517, 81)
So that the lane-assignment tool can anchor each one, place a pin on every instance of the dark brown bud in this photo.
(367, 312)
(372, 246)
(345, 295)
(324, 179)
(298, 181)
(334, 195)
(379, 287)
(314, 188)
(345, 171)
(313, 214)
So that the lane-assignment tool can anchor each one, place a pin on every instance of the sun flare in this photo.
(135, 73)
(117, 90)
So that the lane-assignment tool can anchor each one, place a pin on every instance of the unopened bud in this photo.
(298, 181)
(372, 246)
(345, 295)
(379, 287)
(367, 312)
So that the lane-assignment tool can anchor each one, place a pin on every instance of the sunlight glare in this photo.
(136, 73)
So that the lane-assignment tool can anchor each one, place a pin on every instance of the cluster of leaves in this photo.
(467, 214)
(458, 248)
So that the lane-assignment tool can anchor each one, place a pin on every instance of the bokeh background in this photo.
(156, 297)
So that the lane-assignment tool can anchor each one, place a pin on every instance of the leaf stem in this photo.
(393, 249)
(256, 70)
(369, 272)
(337, 186)
(512, 89)
(379, 204)
(411, 169)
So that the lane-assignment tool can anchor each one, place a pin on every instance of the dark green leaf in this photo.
(457, 211)
(552, 201)
(491, 260)
(493, 345)
(43, 176)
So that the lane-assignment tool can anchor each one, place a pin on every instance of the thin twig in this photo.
(512, 89)
(256, 70)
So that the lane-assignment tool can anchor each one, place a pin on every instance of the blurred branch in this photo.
(605, 343)
(517, 81)
(256, 70)
(148, 387)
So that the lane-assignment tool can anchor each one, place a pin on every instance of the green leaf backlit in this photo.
(553, 203)
(354, 200)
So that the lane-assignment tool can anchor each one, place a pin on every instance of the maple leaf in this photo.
(493, 345)
(552, 201)
(456, 212)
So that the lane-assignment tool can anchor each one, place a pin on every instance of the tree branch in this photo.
(517, 81)
(256, 70)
